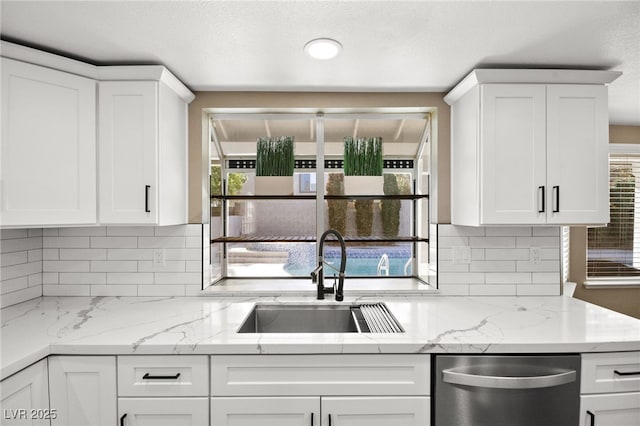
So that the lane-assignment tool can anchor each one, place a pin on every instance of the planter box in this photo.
(363, 185)
(274, 185)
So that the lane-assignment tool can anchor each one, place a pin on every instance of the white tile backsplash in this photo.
(118, 260)
(500, 264)
(20, 265)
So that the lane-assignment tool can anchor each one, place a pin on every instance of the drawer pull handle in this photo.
(149, 377)
(627, 373)
(122, 419)
(592, 421)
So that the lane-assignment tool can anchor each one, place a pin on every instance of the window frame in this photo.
(612, 281)
(320, 156)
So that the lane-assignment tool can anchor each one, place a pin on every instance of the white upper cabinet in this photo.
(513, 150)
(54, 170)
(48, 147)
(143, 153)
(577, 154)
(530, 154)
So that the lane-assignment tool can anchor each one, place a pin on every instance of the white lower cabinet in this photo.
(615, 409)
(163, 390)
(610, 388)
(83, 390)
(24, 398)
(320, 390)
(163, 411)
(320, 411)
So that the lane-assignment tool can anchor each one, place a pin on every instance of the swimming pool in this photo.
(363, 267)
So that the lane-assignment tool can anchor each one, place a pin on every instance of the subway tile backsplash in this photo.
(500, 261)
(21, 257)
(101, 261)
(119, 261)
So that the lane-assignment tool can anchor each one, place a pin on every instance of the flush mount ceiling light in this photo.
(322, 48)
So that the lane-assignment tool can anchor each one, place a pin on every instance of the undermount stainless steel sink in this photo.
(279, 318)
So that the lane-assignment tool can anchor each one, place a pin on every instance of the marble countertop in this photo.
(207, 325)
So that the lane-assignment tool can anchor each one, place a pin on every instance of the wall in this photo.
(198, 132)
(499, 264)
(21, 265)
(623, 300)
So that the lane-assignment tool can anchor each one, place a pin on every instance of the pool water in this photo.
(356, 267)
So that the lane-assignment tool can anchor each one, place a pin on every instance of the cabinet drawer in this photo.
(251, 411)
(173, 375)
(296, 375)
(610, 372)
(163, 411)
(620, 409)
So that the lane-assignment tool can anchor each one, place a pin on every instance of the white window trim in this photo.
(617, 282)
(612, 282)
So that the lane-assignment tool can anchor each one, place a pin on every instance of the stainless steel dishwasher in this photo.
(506, 390)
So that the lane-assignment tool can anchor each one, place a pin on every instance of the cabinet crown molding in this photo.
(529, 76)
(97, 72)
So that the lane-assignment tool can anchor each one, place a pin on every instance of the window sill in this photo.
(612, 283)
(303, 287)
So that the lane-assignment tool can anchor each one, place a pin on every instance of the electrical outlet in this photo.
(534, 255)
(158, 257)
(461, 255)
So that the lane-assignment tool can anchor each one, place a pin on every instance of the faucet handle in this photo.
(339, 296)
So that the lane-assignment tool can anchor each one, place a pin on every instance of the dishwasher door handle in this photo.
(501, 382)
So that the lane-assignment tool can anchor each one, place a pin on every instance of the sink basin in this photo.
(300, 319)
(279, 318)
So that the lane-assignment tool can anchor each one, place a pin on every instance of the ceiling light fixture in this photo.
(322, 48)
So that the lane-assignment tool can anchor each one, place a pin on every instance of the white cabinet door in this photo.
(48, 147)
(83, 390)
(577, 154)
(620, 409)
(376, 411)
(128, 152)
(513, 154)
(24, 397)
(163, 411)
(276, 411)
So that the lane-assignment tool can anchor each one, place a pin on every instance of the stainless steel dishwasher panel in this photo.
(505, 390)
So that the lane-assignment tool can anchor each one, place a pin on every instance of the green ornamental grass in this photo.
(363, 156)
(275, 156)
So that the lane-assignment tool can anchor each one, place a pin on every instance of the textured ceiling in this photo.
(388, 45)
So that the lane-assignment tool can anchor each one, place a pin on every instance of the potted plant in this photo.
(274, 166)
(337, 208)
(363, 166)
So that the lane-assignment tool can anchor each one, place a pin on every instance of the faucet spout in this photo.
(318, 275)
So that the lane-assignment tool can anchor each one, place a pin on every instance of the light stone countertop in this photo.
(207, 325)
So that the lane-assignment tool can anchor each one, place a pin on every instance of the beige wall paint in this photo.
(198, 145)
(625, 300)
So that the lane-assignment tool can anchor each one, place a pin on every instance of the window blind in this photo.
(614, 250)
